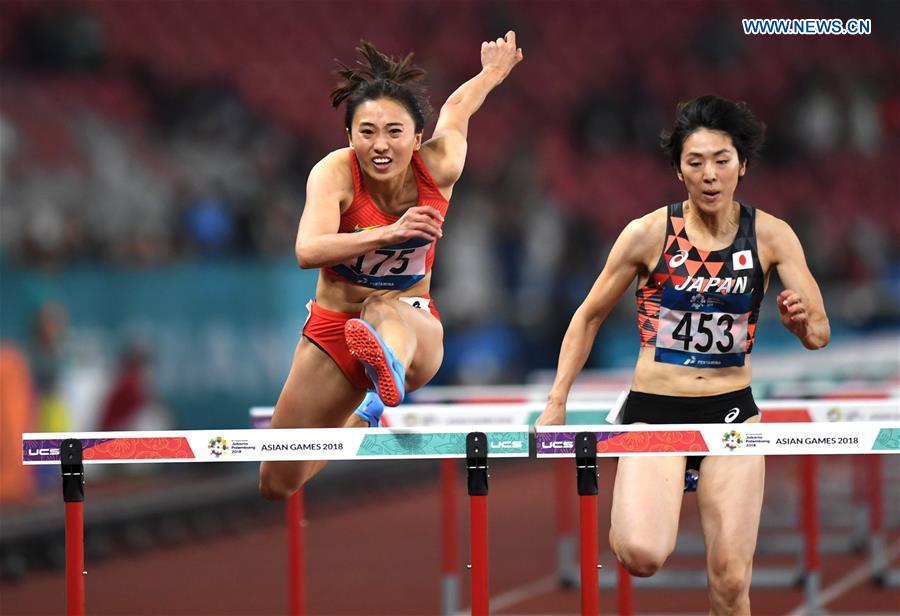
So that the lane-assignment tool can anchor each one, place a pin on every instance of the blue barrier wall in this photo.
(221, 334)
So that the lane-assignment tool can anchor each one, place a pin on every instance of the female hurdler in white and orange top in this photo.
(373, 215)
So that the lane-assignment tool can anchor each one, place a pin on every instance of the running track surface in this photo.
(379, 555)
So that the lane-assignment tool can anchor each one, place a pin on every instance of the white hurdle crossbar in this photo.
(476, 444)
(508, 441)
(748, 439)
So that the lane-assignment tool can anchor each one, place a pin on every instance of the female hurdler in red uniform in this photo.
(373, 214)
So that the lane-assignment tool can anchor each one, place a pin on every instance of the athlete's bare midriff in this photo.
(652, 377)
(334, 294)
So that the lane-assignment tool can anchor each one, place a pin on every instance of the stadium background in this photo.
(153, 157)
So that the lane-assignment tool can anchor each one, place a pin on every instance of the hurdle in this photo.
(768, 439)
(586, 412)
(513, 411)
(414, 443)
(807, 545)
(72, 451)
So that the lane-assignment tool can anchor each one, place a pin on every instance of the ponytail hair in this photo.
(379, 76)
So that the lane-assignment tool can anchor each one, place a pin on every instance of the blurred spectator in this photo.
(818, 124)
(863, 118)
(717, 41)
(9, 145)
(129, 404)
(599, 123)
(275, 228)
(471, 290)
(484, 353)
(48, 362)
(208, 223)
(62, 39)
(16, 417)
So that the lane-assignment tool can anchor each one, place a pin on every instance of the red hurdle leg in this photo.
(476, 465)
(70, 456)
(565, 524)
(624, 594)
(295, 552)
(812, 581)
(75, 559)
(877, 549)
(590, 590)
(449, 540)
(586, 469)
(479, 544)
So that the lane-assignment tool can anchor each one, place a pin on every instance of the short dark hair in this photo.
(380, 76)
(715, 113)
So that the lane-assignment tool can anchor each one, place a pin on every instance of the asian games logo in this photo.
(698, 300)
(218, 446)
(732, 440)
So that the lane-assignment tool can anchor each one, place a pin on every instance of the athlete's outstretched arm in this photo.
(800, 305)
(318, 242)
(445, 152)
(626, 260)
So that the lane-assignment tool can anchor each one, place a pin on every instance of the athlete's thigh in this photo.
(647, 501)
(429, 344)
(729, 496)
(316, 394)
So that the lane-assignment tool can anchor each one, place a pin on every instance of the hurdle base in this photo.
(889, 578)
(812, 587)
(780, 544)
(567, 563)
(856, 521)
(768, 577)
(450, 595)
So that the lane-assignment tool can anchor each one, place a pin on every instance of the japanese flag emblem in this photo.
(742, 260)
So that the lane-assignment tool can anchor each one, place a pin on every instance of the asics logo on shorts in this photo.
(732, 415)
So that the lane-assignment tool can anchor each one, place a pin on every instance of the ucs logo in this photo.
(558, 445)
(43, 451)
(507, 444)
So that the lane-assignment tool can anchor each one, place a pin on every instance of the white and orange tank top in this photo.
(394, 267)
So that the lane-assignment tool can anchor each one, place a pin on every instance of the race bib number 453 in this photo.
(702, 330)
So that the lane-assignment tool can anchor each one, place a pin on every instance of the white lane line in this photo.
(853, 579)
(520, 593)
(525, 592)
